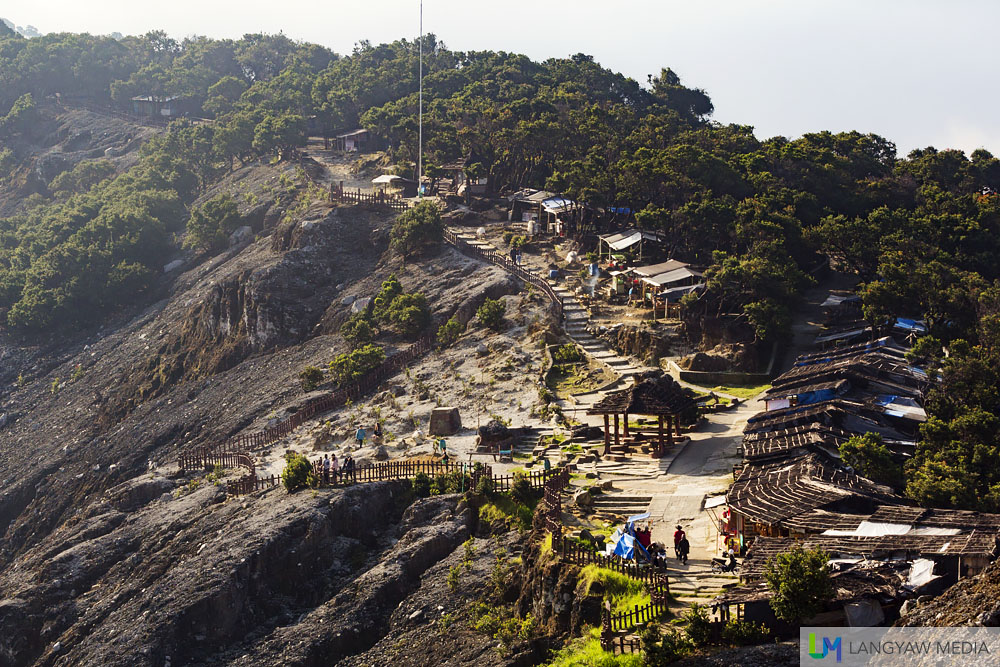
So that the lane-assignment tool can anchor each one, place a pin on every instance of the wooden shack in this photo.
(155, 106)
(355, 141)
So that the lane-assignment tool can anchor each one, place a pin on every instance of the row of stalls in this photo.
(793, 488)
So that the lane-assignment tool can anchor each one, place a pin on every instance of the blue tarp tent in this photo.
(623, 542)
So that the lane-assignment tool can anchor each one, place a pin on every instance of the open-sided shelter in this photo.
(654, 394)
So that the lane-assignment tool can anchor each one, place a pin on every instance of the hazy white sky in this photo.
(919, 72)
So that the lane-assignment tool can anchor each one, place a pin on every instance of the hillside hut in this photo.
(155, 106)
(355, 141)
(654, 394)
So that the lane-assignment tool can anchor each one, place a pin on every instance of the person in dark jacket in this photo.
(683, 548)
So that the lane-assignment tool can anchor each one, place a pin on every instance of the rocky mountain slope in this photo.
(104, 560)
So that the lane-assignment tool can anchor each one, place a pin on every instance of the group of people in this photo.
(515, 256)
(362, 434)
(331, 469)
(681, 545)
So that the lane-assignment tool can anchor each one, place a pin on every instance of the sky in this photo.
(918, 72)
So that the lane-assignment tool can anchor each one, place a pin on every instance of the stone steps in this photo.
(576, 319)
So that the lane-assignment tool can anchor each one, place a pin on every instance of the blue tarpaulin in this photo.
(916, 326)
(810, 397)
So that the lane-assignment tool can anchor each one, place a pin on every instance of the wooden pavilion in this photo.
(654, 394)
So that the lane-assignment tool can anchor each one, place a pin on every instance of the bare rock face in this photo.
(973, 601)
(199, 578)
(644, 342)
(445, 421)
(736, 357)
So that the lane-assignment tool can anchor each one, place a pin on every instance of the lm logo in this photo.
(828, 647)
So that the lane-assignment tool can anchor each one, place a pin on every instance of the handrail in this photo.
(505, 263)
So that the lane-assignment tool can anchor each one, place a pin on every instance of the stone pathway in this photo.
(576, 326)
(575, 316)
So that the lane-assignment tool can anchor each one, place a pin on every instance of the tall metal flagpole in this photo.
(420, 122)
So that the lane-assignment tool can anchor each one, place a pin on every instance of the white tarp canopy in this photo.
(558, 204)
(715, 501)
(385, 178)
(627, 239)
(838, 335)
(880, 529)
(921, 573)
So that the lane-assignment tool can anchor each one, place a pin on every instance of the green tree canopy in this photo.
(799, 580)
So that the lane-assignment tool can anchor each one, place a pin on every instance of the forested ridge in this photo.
(920, 231)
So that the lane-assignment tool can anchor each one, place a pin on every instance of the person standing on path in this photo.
(679, 535)
(334, 468)
(326, 469)
(683, 548)
(360, 436)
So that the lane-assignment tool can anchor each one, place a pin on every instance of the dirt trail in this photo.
(339, 166)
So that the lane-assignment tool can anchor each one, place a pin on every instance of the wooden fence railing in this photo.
(505, 263)
(392, 470)
(626, 620)
(199, 457)
(376, 199)
(552, 500)
(657, 583)
(576, 553)
(622, 644)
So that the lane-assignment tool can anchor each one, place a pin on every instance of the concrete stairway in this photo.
(619, 504)
(576, 319)
(695, 583)
(576, 323)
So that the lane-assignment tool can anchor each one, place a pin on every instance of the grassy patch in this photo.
(555, 439)
(624, 592)
(574, 378)
(743, 392)
(502, 506)
(586, 651)
(546, 548)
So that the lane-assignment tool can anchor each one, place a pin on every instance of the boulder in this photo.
(445, 421)
(241, 234)
(583, 498)
(381, 454)
(322, 438)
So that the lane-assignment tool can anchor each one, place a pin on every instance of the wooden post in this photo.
(607, 435)
(677, 424)
(626, 424)
(670, 435)
(616, 430)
